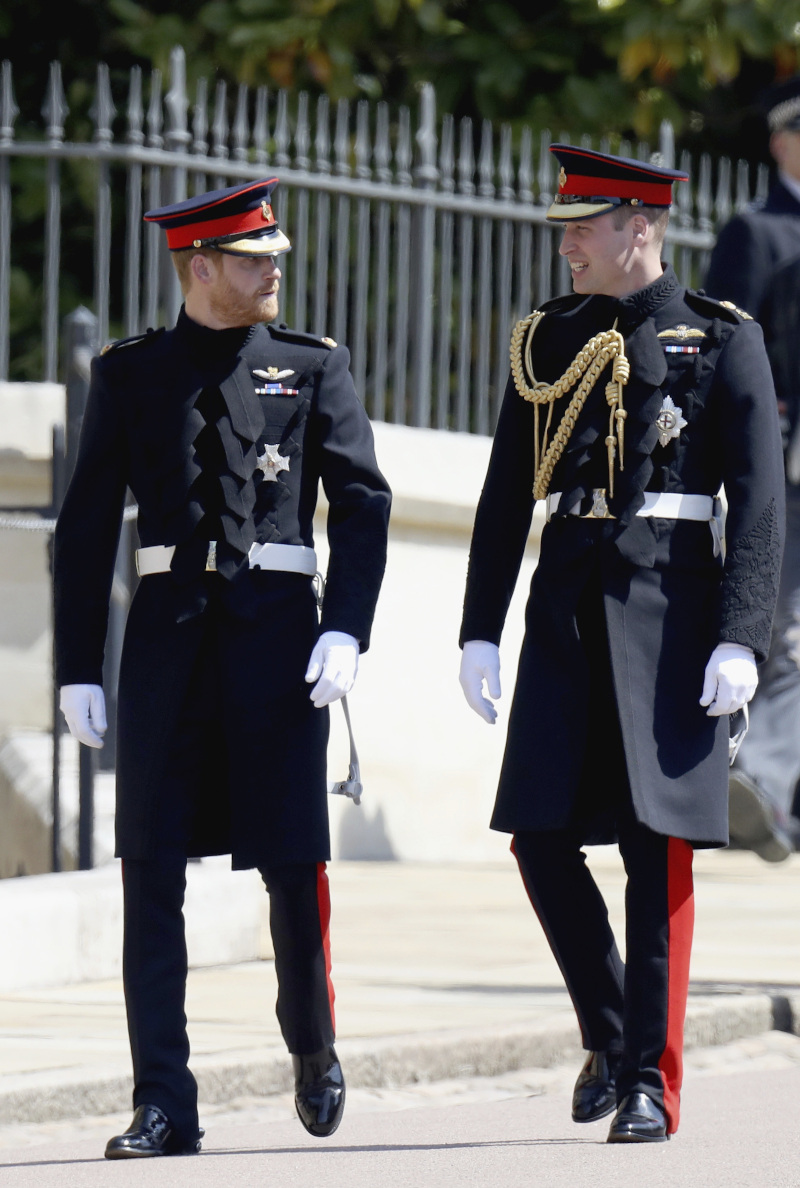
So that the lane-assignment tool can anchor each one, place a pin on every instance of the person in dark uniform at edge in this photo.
(756, 264)
(630, 403)
(222, 427)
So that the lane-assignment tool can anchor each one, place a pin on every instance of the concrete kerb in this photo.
(386, 1062)
(76, 917)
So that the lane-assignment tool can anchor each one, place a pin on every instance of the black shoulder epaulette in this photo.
(149, 336)
(287, 334)
(711, 308)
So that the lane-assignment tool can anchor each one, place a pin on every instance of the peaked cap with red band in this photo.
(238, 220)
(590, 183)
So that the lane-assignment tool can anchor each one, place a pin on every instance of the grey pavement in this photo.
(449, 1006)
(739, 1131)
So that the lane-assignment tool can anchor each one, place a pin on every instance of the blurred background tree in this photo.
(580, 66)
(604, 67)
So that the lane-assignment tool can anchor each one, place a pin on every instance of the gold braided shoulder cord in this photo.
(584, 370)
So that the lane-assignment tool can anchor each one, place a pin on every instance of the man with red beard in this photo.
(223, 428)
(630, 402)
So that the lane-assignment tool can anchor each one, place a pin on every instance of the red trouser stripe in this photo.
(324, 904)
(680, 901)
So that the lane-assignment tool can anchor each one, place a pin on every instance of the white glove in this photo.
(333, 665)
(730, 679)
(84, 707)
(480, 661)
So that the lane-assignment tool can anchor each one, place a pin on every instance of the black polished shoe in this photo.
(150, 1133)
(638, 1120)
(319, 1091)
(594, 1095)
(753, 820)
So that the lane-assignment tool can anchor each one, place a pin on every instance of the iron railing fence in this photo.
(417, 240)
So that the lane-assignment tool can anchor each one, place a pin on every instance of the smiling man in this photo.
(629, 403)
(223, 428)
(605, 257)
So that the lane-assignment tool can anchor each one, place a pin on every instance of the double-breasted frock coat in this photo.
(180, 417)
(669, 592)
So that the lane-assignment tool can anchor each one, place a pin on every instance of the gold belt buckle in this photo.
(211, 559)
(599, 509)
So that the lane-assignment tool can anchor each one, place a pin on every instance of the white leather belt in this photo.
(282, 557)
(668, 505)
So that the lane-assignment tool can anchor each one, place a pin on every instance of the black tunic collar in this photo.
(644, 302)
(633, 309)
(207, 345)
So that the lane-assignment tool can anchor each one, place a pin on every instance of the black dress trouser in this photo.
(155, 967)
(637, 1008)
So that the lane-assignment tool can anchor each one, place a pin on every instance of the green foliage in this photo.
(615, 67)
(612, 67)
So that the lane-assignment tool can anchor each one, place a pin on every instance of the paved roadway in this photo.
(740, 1130)
(458, 1042)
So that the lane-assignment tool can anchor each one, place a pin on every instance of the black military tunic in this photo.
(756, 263)
(176, 416)
(751, 246)
(613, 696)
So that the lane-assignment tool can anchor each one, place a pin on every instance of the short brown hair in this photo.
(183, 263)
(657, 217)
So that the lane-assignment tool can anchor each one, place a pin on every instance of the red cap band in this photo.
(244, 223)
(649, 192)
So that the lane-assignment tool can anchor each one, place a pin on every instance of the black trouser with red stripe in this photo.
(637, 1008)
(155, 965)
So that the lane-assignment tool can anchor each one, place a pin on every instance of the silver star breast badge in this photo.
(670, 421)
(271, 463)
